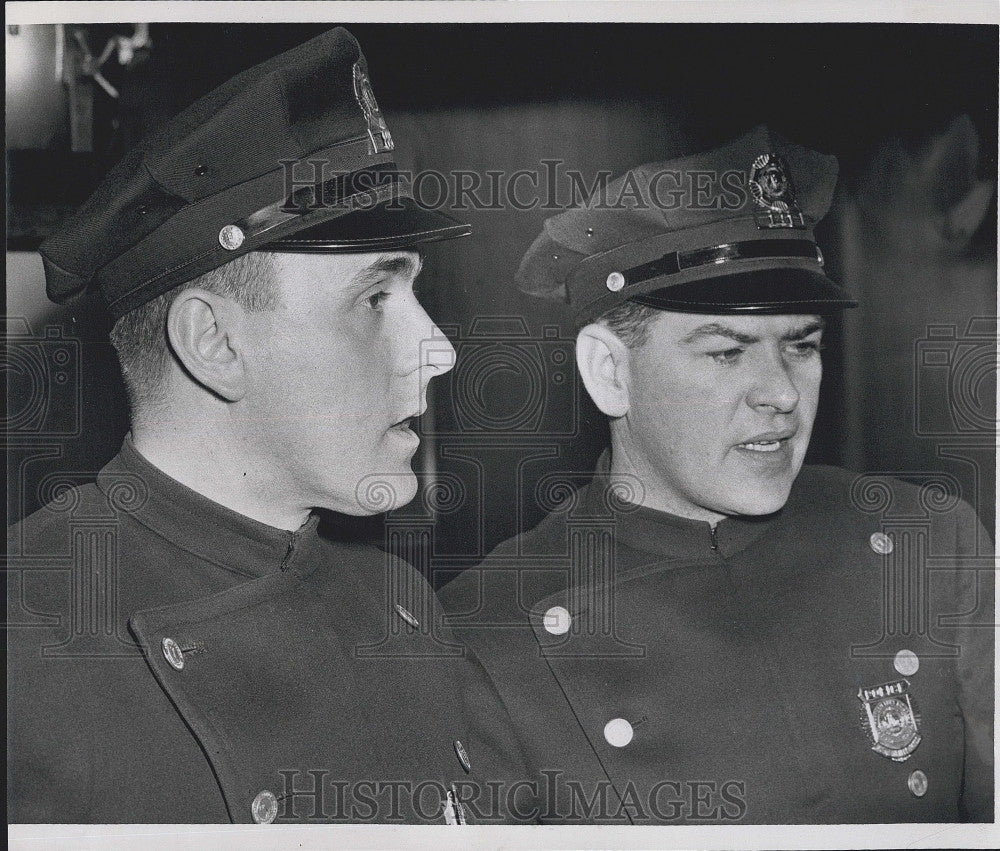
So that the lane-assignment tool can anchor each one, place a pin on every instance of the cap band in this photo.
(358, 190)
(679, 261)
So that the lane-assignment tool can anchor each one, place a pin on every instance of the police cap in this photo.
(291, 155)
(727, 231)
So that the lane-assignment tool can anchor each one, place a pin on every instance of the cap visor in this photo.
(764, 291)
(381, 228)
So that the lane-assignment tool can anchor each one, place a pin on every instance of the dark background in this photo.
(910, 111)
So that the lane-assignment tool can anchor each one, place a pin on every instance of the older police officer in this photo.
(709, 631)
(257, 254)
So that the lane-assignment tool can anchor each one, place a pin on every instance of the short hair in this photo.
(140, 336)
(630, 321)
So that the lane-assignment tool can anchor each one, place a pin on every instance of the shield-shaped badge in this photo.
(770, 184)
(890, 715)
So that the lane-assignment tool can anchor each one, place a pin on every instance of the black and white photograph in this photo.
(571, 423)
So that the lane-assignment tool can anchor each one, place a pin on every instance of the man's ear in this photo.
(603, 361)
(204, 332)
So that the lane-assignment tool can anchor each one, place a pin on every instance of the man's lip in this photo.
(769, 437)
(407, 421)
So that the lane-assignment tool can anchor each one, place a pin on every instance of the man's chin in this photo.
(749, 498)
(757, 503)
(377, 493)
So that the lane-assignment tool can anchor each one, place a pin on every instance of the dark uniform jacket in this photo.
(173, 661)
(829, 663)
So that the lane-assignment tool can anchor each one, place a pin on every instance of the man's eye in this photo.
(727, 356)
(806, 348)
(376, 300)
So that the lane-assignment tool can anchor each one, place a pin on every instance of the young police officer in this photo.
(710, 632)
(275, 356)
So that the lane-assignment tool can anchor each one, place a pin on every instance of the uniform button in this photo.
(917, 782)
(463, 756)
(616, 280)
(406, 616)
(906, 662)
(172, 653)
(618, 732)
(881, 543)
(264, 807)
(557, 620)
(231, 237)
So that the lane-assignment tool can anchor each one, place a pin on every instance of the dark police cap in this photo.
(291, 155)
(727, 231)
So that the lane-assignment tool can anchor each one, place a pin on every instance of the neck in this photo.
(204, 456)
(626, 460)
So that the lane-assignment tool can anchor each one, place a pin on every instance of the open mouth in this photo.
(767, 442)
(763, 446)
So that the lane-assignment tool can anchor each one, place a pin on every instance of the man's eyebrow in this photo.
(714, 329)
(801, 333)
(402, 265)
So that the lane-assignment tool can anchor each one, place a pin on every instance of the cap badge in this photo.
(774, 196)
(891, 718)
(378, 132)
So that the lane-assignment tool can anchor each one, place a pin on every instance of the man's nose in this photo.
(437, 354)
(773, 386)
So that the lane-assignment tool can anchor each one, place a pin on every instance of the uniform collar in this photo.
(666, 535)
(194, 523)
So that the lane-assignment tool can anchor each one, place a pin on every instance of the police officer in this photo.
(199, 652)
(709, 632)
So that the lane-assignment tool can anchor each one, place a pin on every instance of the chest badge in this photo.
(891, 717)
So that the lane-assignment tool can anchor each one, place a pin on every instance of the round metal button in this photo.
(906, 662)
(917, 782)
(618, 732)
(557, 620)
(264, 808)
(231, 237)
(881, 543)
(616, 280)
(463, 756)
(172, 653)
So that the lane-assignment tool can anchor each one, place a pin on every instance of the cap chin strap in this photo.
(345, 192)
(717, 255)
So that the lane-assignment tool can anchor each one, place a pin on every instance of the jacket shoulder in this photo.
(877, 499)
(927, 492)
(50, 523)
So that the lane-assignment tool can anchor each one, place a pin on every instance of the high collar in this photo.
(193, 522)
(664, 535)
